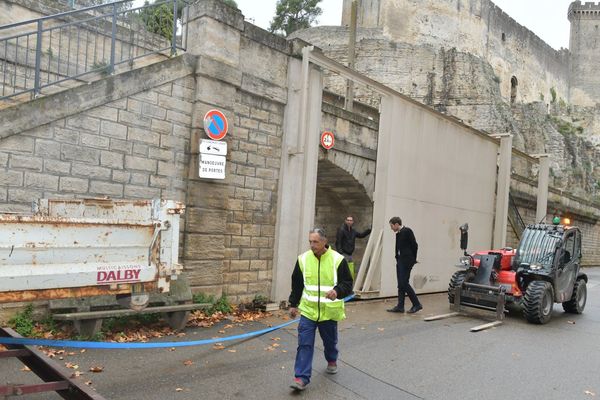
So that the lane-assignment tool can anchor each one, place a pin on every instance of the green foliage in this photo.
(222, 304)
(158, 19)
(566, 128)
(49, 52)
(259, 298)
(292, 15)
(562, 103)
(23, 321)
(553, 94)
(230, 3)
(200, 298)
(101, 66)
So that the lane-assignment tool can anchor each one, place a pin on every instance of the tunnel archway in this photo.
(340, 194)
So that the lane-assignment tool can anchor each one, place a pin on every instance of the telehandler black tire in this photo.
(577, 302)
(457, 280)
(538, 302)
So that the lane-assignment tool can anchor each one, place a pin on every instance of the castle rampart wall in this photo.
(476, 27)
(585, 58)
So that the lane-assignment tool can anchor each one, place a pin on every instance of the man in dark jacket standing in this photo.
(406, 257)
(345, 239)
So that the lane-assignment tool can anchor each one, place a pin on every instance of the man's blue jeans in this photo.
(306, 345)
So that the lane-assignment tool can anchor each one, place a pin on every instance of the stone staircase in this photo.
(74, 47)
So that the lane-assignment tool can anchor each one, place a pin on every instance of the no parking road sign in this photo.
(215, 124)
(327, 140)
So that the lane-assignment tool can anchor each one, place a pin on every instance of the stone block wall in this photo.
(583, 214)
(133, 147)
(476, 27)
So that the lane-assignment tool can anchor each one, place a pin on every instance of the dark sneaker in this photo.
(416, 308)
(298, 384)
(331, 367)
(396, 309)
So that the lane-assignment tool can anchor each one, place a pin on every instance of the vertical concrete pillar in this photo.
(298, 173)
(542, 190)
(502, 190)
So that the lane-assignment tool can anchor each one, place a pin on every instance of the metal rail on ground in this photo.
(55, 377)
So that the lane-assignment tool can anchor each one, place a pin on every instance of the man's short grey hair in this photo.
(320, 231)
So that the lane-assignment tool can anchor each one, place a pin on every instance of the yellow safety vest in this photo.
(320, 276)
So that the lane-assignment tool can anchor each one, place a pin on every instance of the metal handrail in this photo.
(47, 51)
(515, 218)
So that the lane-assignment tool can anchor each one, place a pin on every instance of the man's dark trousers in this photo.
(403, 275)
(306, 345)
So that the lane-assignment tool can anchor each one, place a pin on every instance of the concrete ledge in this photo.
(44, 110)
(218, 11)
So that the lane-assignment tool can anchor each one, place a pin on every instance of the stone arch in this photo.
(340, 193)
(514, 82)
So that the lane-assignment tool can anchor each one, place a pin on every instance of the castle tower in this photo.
(585, 52)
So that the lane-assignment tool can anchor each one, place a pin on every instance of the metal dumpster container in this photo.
(88, 247)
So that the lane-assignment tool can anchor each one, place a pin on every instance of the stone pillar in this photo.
(542, 189)
(214, 34)
(298, 174)
(502, 191)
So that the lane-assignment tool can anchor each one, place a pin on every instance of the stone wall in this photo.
(474, 27)
(585, 52)
(583, 214)
(135, 144)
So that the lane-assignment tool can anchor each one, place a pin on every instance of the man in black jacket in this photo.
(406, 257)
(345, 239)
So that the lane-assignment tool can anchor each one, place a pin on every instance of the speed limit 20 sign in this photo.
(327, 140)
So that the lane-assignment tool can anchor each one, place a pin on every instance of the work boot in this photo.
(331, 367)
(298, 384)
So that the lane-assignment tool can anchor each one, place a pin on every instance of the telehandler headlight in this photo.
(535, 267)
(465, 260)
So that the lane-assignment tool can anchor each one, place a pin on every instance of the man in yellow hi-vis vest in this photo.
(320, 281)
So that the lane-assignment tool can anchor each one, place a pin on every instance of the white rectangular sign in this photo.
(211, 166)
(213, 147)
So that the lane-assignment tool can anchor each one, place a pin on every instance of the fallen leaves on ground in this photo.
(187, 363)
(96, 368)
(589, 393)
(25, 369)
(218, 346)
(71, 365)
(179, 389)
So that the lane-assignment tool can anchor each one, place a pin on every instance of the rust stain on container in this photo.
(52, 294)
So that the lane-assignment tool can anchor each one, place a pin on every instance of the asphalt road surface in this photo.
(382, 356)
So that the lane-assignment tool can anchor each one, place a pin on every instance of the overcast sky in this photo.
(546, 18)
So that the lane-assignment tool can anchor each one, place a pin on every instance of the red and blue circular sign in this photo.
(327, 140)
(215, 124)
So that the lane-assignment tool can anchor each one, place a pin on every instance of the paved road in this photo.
(382, 356)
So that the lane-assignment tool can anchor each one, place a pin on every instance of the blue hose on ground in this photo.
(137, 345)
